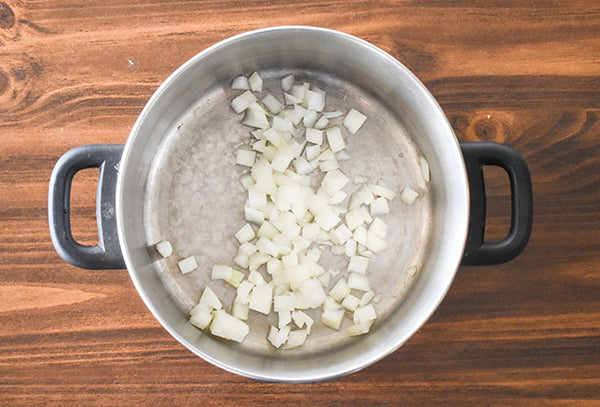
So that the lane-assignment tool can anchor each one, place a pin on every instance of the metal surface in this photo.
(178, 181)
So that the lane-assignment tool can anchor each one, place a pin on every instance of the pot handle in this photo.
(477, 251)
(107, 254)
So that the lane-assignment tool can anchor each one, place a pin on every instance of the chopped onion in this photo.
(287, 83)
(408, 196)
(358, 264)
(335, 139)
(187, 265)
(261, 298)
(164, 248)
(379, 206)
(272, 104)
(228, 327)
(240, 83)
(245, 157)
(241, 103)
(333, 318)
(340, 290)
(354, 120)
(295, 339)
(255, 82)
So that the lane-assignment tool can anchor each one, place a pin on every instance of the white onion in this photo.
(335, 139)
(240, 83)
(164, 248)
(255, 82)
(245, 157)
(354, 120)
(358, 264)
(241, 103)
(408, 196)
(340, 290)
(287, 82)
(424, 168)
(228, 327)
(272, 104)
(187, 265)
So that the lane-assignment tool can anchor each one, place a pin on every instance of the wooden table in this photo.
(517, 72)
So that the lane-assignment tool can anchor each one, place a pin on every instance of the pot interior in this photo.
(179, 182)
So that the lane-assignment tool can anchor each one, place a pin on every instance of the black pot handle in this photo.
(477, 251)
(107, 254)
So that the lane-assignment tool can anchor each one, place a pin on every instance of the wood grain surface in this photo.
(524, 73)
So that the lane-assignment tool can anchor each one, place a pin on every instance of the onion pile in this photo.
(290, 221)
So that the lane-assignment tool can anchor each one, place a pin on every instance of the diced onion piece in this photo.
(291, 99)
(332, 318)
(299, 91)
(221, 272)
(340, 290)
(283, 124)
(209, 299)
(354, 120)
(312, 152)
(327, 219)
(164, 248)
(187, 265)
(329, 165)
(360, 235)
(408, 196)
(256, 278)
(267, 230)
(321, 123)
(240, 311)
(261, 298)
(314, 101)
(263, 176)
(259, 146)
(364, 314)
(284, 157)
(242, 260)
(278, 337)
(424, 168)
(358, 264)
(295, 338)
(241, 103)
(267, 246)
(255, 117)
(312, 293)
(359, 329)
(243, 292)
(378, 227)
(247, 180)
(350, 248)
(375, 243)
(201, 317)
(296, 275)
(358, 281)
(412, 271)
(240, 83)
(314, 136)
(245, 234)
(253, 215)
(335, 139)
(334, 181)
(350, 302)
(236, 278)
(366, 298)
(379, 206)
(272, 104)
(228, 327)
(245, 157)
(310, 118)
(287, 82)
(380, 190)
(255, 82)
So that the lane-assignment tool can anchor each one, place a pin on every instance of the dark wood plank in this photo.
(517, 72)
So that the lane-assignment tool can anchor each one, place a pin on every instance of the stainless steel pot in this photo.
(175, 179)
